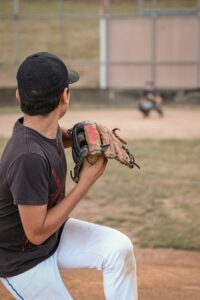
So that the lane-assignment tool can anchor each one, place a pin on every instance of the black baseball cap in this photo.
(42, 77)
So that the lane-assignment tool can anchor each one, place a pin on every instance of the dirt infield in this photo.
(163, 274)
(177, 123)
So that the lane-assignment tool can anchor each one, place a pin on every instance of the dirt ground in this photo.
(177, 123)
(163, 274)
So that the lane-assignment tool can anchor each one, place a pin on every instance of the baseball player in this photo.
(150, 100)
(37, 234)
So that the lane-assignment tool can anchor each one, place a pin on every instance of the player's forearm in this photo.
(39, 223)
(57, 215)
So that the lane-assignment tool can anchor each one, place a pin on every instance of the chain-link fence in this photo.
(69, 29)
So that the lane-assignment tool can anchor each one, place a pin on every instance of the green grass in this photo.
(157, 206)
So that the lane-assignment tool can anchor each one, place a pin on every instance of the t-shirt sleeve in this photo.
(28, 179)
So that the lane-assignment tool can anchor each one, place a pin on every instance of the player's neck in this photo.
(45, 125)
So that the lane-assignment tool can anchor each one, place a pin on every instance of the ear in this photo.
(64, 97)
(17, 95)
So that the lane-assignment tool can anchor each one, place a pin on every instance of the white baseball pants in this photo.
(82, 245)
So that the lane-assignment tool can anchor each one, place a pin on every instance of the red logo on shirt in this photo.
(54, 197)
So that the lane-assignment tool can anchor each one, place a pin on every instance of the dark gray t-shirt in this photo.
(32, 172)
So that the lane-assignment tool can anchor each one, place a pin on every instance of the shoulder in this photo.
(27, 164)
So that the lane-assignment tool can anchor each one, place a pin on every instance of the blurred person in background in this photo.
(150, 100)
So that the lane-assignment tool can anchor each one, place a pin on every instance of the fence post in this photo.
(103, 53)
(154, 41)
(103, 32)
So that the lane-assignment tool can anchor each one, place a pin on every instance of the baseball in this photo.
(92, 159)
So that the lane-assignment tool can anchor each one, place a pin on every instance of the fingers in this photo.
(101, 163)
(90, 173)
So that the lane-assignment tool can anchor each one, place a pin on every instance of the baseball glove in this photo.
(91, 140)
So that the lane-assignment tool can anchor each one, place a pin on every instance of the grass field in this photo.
(157, 206)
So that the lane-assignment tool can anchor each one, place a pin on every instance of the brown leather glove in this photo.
(91, 140)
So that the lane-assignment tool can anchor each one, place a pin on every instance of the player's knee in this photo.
(124, 244)
(121, 254)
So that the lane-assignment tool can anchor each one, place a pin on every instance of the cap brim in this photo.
(73, 76)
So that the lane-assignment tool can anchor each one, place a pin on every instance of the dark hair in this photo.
(38, 108)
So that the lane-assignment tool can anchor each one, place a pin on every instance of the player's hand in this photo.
(90, 173)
